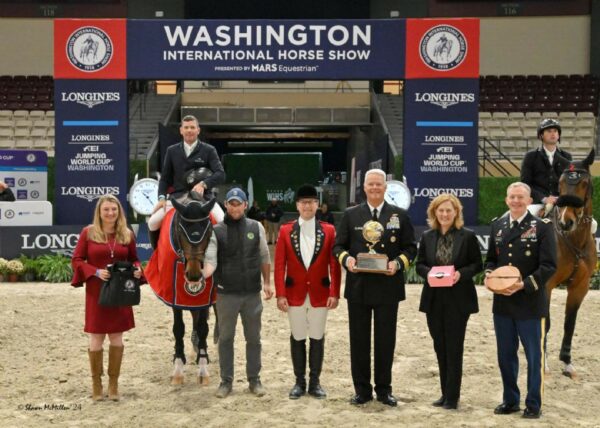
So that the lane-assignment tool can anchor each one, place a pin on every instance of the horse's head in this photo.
(575, 192)
(191, 232)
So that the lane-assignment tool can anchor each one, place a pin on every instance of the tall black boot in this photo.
(298, 348)
(153, 236)
(315, 361)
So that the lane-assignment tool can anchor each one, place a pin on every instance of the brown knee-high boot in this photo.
(96, 369)
(115, 356)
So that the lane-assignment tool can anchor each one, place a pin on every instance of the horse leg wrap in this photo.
(115, 357)
(96, 364)
(203, 375)
(177, 377)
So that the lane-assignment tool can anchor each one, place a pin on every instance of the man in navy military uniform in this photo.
(522, 240)
(374, 295)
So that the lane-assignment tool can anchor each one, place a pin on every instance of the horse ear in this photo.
(589, 160)
(210, 204)
(178, 206)
(562, 161)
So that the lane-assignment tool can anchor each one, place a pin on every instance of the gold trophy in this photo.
(372, 262)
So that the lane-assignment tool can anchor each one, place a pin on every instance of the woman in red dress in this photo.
(102, 243)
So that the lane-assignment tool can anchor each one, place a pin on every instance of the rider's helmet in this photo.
(195, 176)
(548, 124)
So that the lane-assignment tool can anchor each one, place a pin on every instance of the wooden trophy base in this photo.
(371, 263)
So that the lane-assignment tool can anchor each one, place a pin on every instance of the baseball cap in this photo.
(236, 194)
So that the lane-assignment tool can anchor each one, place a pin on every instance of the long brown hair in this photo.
(122, 233)
(439, 200)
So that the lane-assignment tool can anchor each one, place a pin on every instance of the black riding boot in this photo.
(315, 361)
(298, 348)
(153, 236)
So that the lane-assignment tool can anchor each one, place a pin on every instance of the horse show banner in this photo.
(26, 173)
(441, 96)
(261, 49)
(91, 104)
(440, 143)
(92, 150)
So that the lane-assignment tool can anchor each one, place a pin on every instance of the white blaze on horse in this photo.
(576, 246)
(178, 278)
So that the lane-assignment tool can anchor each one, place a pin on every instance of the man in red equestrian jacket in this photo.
(307, 283)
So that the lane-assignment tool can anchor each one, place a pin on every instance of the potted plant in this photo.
(55, 268)
(3, 263)
(31, 267)
(14, 268)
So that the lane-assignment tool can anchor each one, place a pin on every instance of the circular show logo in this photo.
(9, 213)
(31, 157)
(443, 48)
(22, 182)
(89, 49)
(194, 289)
(35, 194)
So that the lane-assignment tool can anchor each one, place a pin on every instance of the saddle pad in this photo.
(441, 276)
(502, 278)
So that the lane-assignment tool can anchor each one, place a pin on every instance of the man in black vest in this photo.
(374, 296)
(238, 248)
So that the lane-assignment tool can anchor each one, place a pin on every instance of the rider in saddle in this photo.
(542, 167)
(189, 165)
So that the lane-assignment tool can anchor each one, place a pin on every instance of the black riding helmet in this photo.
(548, 124)
(195, 176)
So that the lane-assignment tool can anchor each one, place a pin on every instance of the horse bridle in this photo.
(194, 241)
(574, 177)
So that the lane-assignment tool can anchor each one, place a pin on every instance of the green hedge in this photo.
(492, 191)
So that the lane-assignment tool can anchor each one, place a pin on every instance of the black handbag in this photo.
(122, 289)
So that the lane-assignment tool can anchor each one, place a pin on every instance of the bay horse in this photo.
(576, 247)
(175, 274)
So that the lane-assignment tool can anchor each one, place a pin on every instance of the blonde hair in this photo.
(439, 200)
(122, 233)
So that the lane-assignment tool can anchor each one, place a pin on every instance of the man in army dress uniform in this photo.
(522, 240)
(373, 294)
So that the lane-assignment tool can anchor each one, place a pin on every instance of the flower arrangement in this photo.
(3, 263)
(15, 266)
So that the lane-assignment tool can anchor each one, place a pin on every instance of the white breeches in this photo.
(156, 219)
(306, 319)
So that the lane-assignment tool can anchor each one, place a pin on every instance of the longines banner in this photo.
(441, 96)
(440, 143)
(37, 241)
(92, 151)
(260, 49)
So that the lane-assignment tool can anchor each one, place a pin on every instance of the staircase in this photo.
(392, 113)
(146, 111)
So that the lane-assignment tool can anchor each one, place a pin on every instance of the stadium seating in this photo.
(510, 108)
